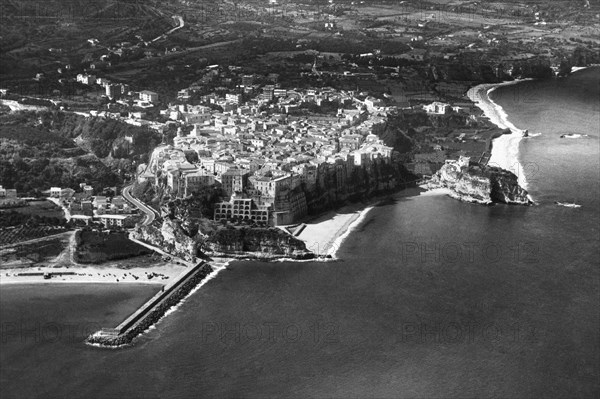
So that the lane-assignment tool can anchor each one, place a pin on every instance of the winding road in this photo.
(164, 35)
(150, 214)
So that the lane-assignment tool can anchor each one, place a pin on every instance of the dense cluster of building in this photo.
(85, 207)
(266, 162)
(120, 91)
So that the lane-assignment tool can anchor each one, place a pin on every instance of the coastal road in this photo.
(150, 215)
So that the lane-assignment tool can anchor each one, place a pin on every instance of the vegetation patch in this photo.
(26, 224)
(99, 246)
(44, 209)
(25, 255)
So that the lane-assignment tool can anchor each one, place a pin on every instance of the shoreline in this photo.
(162, 275)
(505, 149)
(325, 234)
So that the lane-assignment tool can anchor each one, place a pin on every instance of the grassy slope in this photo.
(98, 247)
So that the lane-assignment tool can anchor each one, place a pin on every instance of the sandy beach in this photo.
(325, 234)
(161, 274)
(505, 149)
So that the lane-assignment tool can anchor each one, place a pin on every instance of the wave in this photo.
(317, 259)
(567, 204)
(433, 192)
(96, 345)
(573, 136)
(210, 276)
(337, 243)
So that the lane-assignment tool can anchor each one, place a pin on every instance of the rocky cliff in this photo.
(170, 237)
(361, 183)
(472, 182)
(255, 243)
(264, 243)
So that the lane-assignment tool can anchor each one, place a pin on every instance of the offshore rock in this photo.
(473, 182)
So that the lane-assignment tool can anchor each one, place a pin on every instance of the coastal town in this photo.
(274, 143)
(272, 156)
(272, 160)
(299, 198)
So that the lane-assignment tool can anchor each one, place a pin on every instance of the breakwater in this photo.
(152, 311)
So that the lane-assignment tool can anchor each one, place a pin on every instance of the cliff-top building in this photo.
(243, 208)
(234, 181)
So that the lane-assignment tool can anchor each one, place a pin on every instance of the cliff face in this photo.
(475, 183)
(362, 182)
(265, 243)
(506, 189)
(170, 237)
(258, 243)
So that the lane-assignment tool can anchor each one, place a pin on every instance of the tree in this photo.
(565, 68)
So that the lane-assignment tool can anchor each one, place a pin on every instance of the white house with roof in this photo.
(437, 107)
(148, 96)
(86, 79)
(117, 220)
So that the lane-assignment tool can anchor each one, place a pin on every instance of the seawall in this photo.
(152, 311)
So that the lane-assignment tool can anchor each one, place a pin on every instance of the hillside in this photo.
(32, 160)
(34, 34)
(40, 150)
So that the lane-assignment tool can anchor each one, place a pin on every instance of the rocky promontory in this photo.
(259, 243)
(236, 242)
(472, 182)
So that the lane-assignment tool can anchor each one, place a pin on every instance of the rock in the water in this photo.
(472, 182)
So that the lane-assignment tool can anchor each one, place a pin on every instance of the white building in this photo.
(55, 192)
(233, 98)
(86, 79)
(437, 107)
(117, 220)
(148, 96)
(241, 208)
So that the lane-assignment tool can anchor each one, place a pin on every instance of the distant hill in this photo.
(38, 33)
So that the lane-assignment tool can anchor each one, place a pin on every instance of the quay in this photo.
(151, 311)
